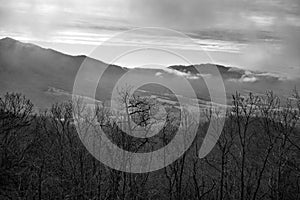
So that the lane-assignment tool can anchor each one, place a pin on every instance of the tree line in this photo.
(256, 157)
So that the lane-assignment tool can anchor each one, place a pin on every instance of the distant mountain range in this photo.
(47, 76)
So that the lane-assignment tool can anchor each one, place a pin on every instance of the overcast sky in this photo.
(255, 34)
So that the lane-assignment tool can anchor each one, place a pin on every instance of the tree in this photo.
(16, 115)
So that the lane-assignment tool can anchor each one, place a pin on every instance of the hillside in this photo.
(47, 76)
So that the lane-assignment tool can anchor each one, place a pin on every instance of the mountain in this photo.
(43, 75)
(47, 76)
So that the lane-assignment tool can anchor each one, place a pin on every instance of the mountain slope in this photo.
(33, 71)
(47, 76)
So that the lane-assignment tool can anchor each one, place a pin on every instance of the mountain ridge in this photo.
(12, 41)
(32, 70)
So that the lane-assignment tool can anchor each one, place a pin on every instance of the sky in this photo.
(259, 35)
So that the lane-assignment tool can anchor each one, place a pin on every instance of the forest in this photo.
(256, 157)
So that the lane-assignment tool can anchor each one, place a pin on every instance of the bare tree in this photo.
(16, 115)
(243, 111)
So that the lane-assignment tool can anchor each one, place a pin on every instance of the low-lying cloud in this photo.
(255, 76)
(168, 71)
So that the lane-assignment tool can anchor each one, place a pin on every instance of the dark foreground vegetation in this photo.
(256, 157)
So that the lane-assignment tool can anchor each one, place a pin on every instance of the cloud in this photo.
(198, 15)
(269, 30)
(181, 14)
(158, 74)
(177, 73)
(254, 76)
(46, 19)
(233, 20)
(271, 76)
(247, 79)
(278, 57)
